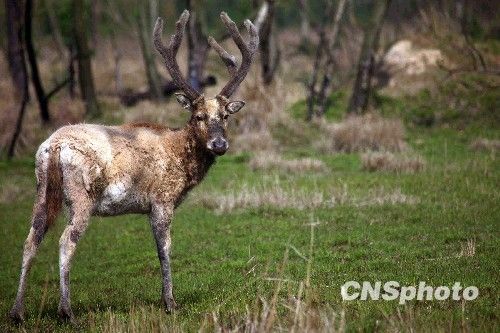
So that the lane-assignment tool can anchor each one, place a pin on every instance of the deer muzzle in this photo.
(218, 145)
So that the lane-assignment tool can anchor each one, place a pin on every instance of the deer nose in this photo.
(219, 145)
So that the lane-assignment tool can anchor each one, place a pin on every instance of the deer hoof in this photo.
(66, 314)
(17, 314)
(170, 304)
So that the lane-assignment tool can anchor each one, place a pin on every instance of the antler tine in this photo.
(228, 59)
(170, 52)
(247, 51)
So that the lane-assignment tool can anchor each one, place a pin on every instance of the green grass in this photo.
(220, 262)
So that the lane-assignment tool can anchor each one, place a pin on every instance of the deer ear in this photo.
(235, 106)
(184, 101)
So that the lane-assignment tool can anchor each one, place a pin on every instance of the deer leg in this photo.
(35, 237)
(160, 218)
(79, 220)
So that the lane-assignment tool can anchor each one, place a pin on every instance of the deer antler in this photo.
(169, 53)
(247, 51)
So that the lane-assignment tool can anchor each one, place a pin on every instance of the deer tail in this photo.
(54, 190)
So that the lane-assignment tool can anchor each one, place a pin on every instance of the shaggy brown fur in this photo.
(155, 127)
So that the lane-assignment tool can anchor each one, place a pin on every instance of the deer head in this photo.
(209, 116)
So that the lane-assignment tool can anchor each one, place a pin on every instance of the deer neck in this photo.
(195, 159)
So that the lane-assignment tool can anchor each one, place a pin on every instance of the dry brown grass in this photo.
(138, 319)
(365, 133)
(380, 196)
(253, 141)
(485, 145)
(299, 317)
(270, 161)
(279, 196)
(468, 249)
(273, 195)
(386, 161)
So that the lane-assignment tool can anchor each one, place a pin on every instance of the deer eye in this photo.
(200, 117)
(225, 116)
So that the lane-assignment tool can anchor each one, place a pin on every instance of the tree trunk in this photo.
(85, 77)
(71, 71)
(318, 97)
(311, 98)
(15, 50)
(351, 13)
(17, 66)
(268, 43)
(54, 27)
(330, 61)
(154, 11)
(198, 46)
(95, 12)
(19, 124)
(35, 74)
(304, 20)
(117, 56)
(145, 26)
(361, 92)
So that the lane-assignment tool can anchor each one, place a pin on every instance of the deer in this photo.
(140, 168)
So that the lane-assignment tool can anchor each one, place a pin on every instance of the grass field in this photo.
(237, 261)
